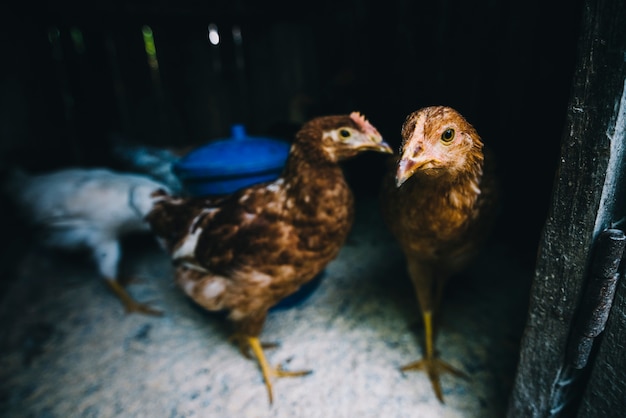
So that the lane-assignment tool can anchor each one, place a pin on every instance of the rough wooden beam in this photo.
(544, 379)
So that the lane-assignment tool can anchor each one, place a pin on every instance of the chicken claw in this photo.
(130, 304)
(430, 364)
(247, 343)
(434, 367)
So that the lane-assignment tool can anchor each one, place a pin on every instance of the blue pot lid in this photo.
(235, 156)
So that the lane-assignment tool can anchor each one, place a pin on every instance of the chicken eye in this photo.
(447, 136)
(344, 133)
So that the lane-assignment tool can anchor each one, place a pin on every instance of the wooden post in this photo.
(585, 202)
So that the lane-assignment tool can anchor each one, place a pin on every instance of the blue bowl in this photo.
(226, 165)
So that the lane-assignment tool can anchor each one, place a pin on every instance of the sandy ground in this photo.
(68, 349)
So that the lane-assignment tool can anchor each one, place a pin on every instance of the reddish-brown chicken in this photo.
(439, 201)
(247, 251)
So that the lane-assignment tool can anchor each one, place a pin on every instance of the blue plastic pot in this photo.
(226, 165)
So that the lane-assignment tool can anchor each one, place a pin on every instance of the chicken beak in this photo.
(384, 148)
(406, 168)
(412, 161)
(377, 144)
(408, 163)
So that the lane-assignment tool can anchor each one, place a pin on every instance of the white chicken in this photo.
(76, 208)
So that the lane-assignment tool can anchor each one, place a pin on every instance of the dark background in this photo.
(72, 74)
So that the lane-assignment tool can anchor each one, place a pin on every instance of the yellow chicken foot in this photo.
(244, 346)
(430, 363)
(269, 371)
(130, 304)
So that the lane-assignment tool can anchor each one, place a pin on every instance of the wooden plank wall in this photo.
(583, 204)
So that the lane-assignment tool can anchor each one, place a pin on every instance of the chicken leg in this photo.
(429, 284)
(246, 342)
(130, 304)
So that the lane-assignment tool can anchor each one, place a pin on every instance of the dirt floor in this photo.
(68, 350)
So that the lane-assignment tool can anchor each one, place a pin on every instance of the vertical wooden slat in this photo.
(545, 384)
(606, 392)
(605, 395)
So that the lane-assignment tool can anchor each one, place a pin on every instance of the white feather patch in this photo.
(188, 287)
(195, 267)
(213, 289)
(260, 278)
(274, 187)
(188, 247)
(248, 218)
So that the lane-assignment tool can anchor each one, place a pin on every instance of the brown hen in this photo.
(439, 201)
(247, 251)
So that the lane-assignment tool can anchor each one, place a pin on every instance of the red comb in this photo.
(363, 123)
